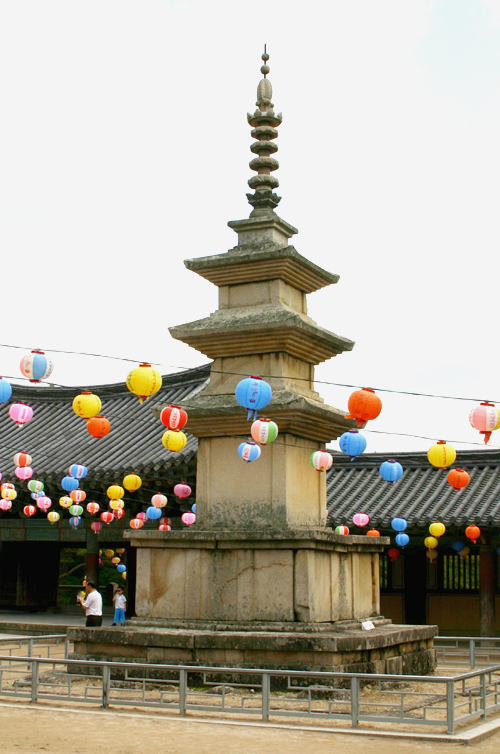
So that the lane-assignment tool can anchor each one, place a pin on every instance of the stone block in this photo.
(394, 665)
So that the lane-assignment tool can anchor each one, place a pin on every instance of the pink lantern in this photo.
(20, 413)
(182, 490)
(93, 508)
(24, 472)
(142, 517)
(119, 513)
(188, 518)
(361, 519)
(136, 523)
(164, 527)
(5, 505)
(485, 418)
(43, 503)
(107, 517)
(96, 526)
(29, 510)
(159, 501)
(22, 459)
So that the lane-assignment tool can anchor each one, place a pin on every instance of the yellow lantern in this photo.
(115, 561)
(431, 554)
(65, 501)
(116, 504)
(143, 381)
(115, 492)
(87, 405)
(53, 517)
(431, 543)
(174, 440)
(9, 493)
(124, 575)
(441, 454)
(109, 553)
(132, 482)
(437, 529)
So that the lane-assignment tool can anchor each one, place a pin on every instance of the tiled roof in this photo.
(422, 495)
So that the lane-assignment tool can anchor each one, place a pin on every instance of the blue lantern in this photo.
(69, 483)
(75, 521)
(402, 539)
(458, 545)
(121, 568)
(352, 443)
(78, 471)
(153, 512)
(5, 390)
(391, 471)
(193, 507)
(35, 495)
(399, 524)
(253, 393)
(249, 451)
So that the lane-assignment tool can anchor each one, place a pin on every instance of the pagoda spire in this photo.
(264, 123)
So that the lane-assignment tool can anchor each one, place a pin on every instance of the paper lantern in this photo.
(173, 417)
(36, 495)
(393, 554)
(35, 486)
(321, 460)
(153, 513)
(142, 516)
(98, 426)
(458, 545)
(53, 517)
(193, 508)
(78, 471)
(188, 518)
(124, 576)
(96, 526)
(75, 522)
(402, 539)
(352, 443)
(44, 503)
(29, 510)
(182, 491)
(391, 471)
(107, 517)
(159, 501)
(22, 459)
(458, 479)
(132, 482)
(165, 521)
(249, 451)
(116, 504)
(363, 406)
(68, 483)
(373, 533)
(120, 550)
(20, 413)
(441, 454)
(121, 568)
(264, 431)
(253, 393)
(361, 519)
(5, 505)
(136, 523)
(119, 513)
(36, 366)
(93, 508)
(342, 530)
(464, 552)
(472, 533)
(485, 418)
(76, 510)
(115, 561)
(174, 440)
(24, 472)
(115, 492)
(65, 501)
(432, 555)
(431, 543)
(437, 529)
(109, 553)
(7, 486)
(87, 405)
(78, 496)
(164, 527)
(5, 390)
(399, 524)
(144, 381)
(8, 491)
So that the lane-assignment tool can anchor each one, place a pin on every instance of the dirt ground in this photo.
(28, 730)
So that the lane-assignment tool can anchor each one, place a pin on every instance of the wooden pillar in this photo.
(487, 580)
(92, 558)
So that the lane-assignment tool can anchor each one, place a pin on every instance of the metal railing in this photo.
(49, 645)
(477, 651)
(352, 698)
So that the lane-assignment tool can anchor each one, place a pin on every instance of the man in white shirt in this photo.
(92, 605)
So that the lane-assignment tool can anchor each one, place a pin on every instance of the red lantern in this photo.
(96, 526)
(136, 523)
(394, 554)
(458, 478)
(165, 521)
(98, 426)
(173, 417)
(164, 527)
(473, 532)
(22, 459)
(29, 510)
(107, 517)
(373, 533)
(93, 508)
(363, 406)
(119, 513)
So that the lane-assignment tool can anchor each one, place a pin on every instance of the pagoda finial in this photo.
(264, 123)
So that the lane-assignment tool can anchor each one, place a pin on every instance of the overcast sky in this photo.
(125, 148)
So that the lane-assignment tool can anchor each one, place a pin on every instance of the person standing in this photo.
(92, 605)
(120, 601)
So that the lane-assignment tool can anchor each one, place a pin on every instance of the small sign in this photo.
(367, 625)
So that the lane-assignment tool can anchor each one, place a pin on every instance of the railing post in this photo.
(266, 693)
(106, 679)
(34, 681)
(354, 702)
(450, 706)
(183, 681)
(66, 648)
(30, 647)
(483, 694)
(472, 653)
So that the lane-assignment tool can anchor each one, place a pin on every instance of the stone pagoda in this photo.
(259, 580)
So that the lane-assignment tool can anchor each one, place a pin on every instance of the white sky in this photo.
(124, 149)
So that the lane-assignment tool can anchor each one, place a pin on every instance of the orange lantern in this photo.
(458, 478)
(363, 406)
(373, 533)
(93, 508)
(98, 426)
(78, 496)
(107, 517)
(136, 523)
(473, 532)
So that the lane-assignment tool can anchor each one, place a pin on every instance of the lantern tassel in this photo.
(487, 436)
